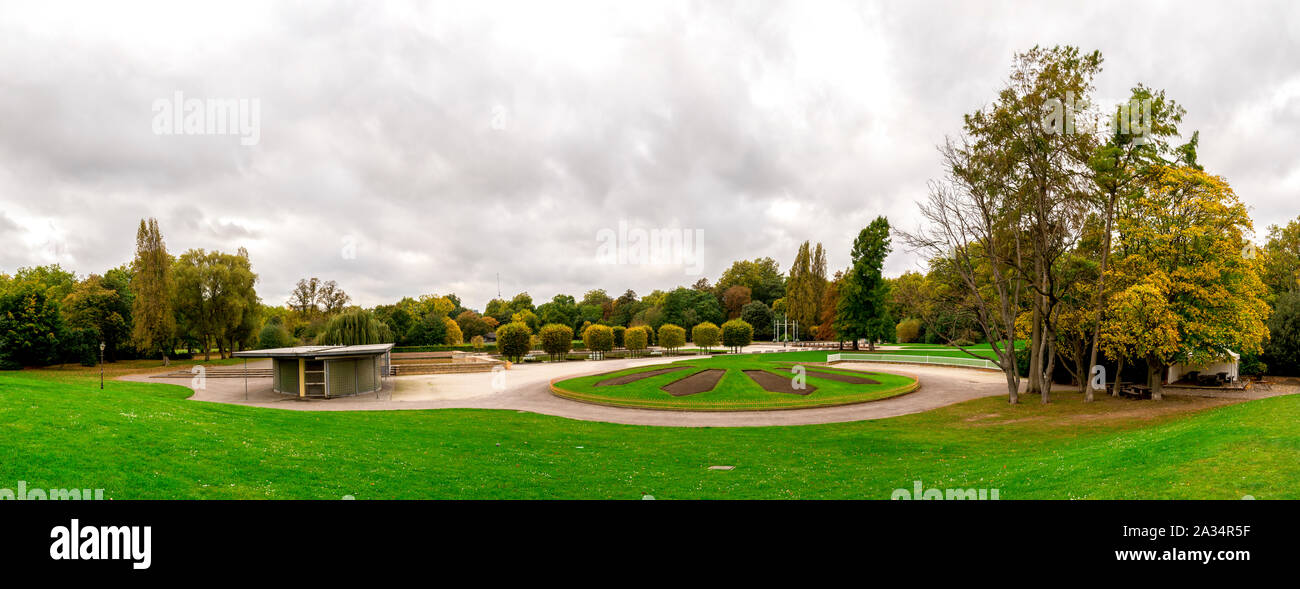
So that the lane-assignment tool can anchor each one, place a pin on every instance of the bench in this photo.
(1135, 391)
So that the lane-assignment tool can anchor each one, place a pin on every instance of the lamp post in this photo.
(101, 366)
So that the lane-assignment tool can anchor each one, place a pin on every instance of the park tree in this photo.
(499, 310)
(514, 340)
(1184, 238)
(825, 328)
(471, 324)
(31, 326)
(1282, 258)
(561, 309)
(398, 320)
(804, 287)
(737, 334)
(305, 297)
(671, 337)
(596, 297)
(557, 340)
(315, 301)
(687, 307)
(908, 296)
(758, 315)
(104, 311)
(1141, 325)
(429, 330)
(356, 327)
(598, 339)
(331, 299)
(734, 300)
(620, 336)
(152, 317)
(455, 336)
(588, 313)
(626, 306)
(637, 339)
(213, 293)
(1282, 352)
(1117, 168)
(762, 276)
(527, 317)
(1016, 195)
(907, 331)
(862, 309)
(1024, 147)
(705, 335)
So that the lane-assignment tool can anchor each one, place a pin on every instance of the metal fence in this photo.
(904, 359)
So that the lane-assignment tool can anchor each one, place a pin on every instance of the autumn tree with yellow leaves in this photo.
(1188, 292)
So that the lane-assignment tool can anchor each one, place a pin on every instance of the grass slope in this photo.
(145, 441)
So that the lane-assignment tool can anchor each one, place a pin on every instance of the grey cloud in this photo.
(452, 142)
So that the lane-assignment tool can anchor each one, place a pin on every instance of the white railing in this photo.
(903, 359)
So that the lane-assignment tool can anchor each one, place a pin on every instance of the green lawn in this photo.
(736, 391)
(147, 441)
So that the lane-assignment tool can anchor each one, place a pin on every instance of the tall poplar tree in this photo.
(153, 322)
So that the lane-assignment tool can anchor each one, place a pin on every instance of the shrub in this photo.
(907, 331)
(1251, 365)
(557, 340)
(513, 340)
(620, 336)
(671, 337)
(477, 342)
(636, 339)
(274, 335)
(705, 335)
(599, 339)
(454, 335)
(962, 342)
(737, 334)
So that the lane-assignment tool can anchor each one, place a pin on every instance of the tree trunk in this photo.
(1119, 376)
(1101, 291)
(1013, 385)
(1083, 372)
(1035, 350)
(1155, 379)
(1049, 370)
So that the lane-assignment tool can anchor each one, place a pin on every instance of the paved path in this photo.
(526, 388)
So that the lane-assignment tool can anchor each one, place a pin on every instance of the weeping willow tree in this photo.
(355, 328)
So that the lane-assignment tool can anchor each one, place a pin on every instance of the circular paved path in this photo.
(526, 388)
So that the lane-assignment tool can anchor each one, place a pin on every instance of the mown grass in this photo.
(735, 391)
(144, 440)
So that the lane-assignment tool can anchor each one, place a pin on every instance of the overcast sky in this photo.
(425, 148)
